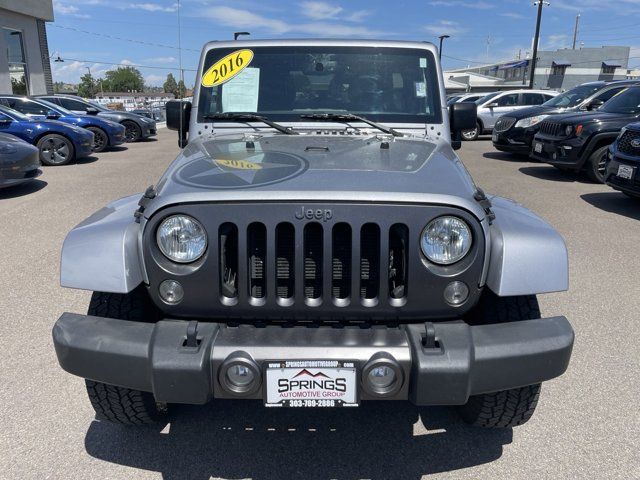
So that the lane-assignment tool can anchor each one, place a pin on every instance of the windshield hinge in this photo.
(149, 194)
(480, 197)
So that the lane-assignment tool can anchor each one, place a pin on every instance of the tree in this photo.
(87, 86)
(180, 91)
(170, 86)
(123, 79)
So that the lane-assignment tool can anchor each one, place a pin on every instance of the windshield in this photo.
(486, 98)
(55, 108)
(573, 97)
(627, 102)
(16, 115)
(395, 85)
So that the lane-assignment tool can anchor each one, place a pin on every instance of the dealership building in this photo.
(25, 67)
(557, 70)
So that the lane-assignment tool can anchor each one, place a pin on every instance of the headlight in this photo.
(531, 121)
(181, 239)
(446, 240)
(568, 131)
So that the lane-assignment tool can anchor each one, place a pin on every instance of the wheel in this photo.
(100, 139)
(506, 408)
(596, 164)
(55, 149)
(132, 131)
(471, 135)
(119, 404)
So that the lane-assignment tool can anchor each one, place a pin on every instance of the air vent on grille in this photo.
(228, 236)
(369, 261)
(312, 255)
(504, 123)
(257, 250)
(285, 260)
(341, 261)
(398, 260)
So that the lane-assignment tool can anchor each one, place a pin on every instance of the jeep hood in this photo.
(316, 167)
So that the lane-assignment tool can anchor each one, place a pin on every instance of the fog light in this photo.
(239, 374)
(382, 376)
(171, 292)
(456, 293)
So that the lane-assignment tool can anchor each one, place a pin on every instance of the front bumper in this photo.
(117, 137)
(442, 363)
(17, 176)
(84, 146)
(565, 152)
(149, 130)
(514, 140)
(612, 179)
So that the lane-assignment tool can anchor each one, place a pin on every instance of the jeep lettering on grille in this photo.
(311, 214)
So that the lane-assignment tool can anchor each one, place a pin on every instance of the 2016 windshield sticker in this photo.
(227, 67)
(238, 164)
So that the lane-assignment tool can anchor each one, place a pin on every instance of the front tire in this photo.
(132, 132)
(100, 139)
(55, 150)
(471, 135)
(119, 404)
(596, 164)
(506, 408)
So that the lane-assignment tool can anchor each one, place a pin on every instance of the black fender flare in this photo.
(593, 142)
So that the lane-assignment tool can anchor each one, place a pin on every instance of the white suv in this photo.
(493, 106)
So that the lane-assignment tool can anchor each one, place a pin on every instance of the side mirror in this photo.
(178, 116)
(493, 105)
(595, 104)
(462, 116)
(51, 115)
(92, 111)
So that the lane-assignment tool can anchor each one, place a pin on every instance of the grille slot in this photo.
(312, 255)
(257, 252)
(504, 123)
(624, 144)
(341, 261)
(369, 261)
(228, 258)
(285, 260)
(552, 129)
(398, 261)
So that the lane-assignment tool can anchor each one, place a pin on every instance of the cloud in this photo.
(553, 42)
(150, 7)
(67, 9)
(70, 72)
(444, 27)
(320, 10)
(154, 80)
(517, 16)
(160, 60)
(244, 19)
(478, 5)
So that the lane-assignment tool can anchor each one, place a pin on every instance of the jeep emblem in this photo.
(635, 143)
(313, 214)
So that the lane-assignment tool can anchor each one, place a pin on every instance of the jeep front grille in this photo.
(323, 271)
(553, 129)
(504, 123)
(624, 144)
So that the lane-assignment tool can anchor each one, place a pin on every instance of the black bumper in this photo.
(515, 140)
(442, 363)
(567, 153)
(631, 185)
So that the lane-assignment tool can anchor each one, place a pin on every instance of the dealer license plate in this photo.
(311, 383)
(625, 171)
(494, 137)
(537, 147)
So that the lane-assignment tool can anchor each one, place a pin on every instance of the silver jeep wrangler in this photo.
(317, 243)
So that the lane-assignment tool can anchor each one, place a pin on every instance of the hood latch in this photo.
(480, 197)
(149, 194)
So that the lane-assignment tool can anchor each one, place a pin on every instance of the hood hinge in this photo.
(480, 197)
(149, 194)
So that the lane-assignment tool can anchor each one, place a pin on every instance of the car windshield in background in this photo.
(16, 115)
(56, 108)
(572, 97)
(486, 98)
(394, 85)
(626, 102)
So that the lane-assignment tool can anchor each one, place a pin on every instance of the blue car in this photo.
(622, 164)
(58, 143)
(18, 161)
(106, 133)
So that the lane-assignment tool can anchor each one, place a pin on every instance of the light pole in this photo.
(442, 37)
(536, 39)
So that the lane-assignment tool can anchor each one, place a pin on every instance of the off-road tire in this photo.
(118, 404)
(506, 408)
(595, 164)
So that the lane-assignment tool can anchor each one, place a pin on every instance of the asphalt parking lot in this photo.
(587, 424)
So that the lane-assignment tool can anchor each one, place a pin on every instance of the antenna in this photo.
(181, 76)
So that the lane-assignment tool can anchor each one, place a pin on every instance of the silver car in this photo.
(137, 127)
(494, 105)
(317, 243)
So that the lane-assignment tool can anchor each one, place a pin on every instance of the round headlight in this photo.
(181, 239)
(445, 240)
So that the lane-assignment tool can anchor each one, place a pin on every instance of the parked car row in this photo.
(584, 129)
(60, 129)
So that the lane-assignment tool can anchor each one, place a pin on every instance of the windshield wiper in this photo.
(350, 117)
(250, 117)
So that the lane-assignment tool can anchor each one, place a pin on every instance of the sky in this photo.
(100, 34)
